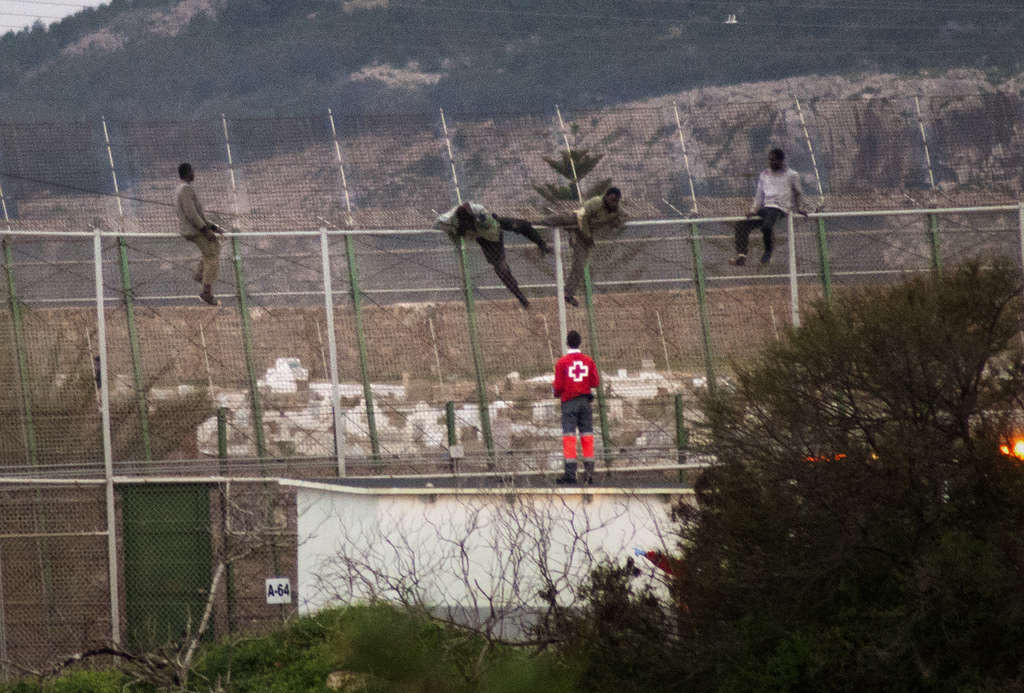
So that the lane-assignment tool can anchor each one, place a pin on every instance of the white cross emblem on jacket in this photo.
(578, 371)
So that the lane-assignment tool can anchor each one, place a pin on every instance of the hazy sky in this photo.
(18, 14)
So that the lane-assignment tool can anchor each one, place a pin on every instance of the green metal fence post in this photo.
(826, 272)
(364, 366)
(250, 357)
(449, 421)
(222, 437)
(478, 359)
(933, 240)
(133, 340)
(682, 437)
(702, 305)
(595, 353)
(21, 356)
(453, 436)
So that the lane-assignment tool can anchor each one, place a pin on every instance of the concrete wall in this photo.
(468, 550)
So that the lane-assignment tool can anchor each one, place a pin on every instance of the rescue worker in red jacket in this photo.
(575, 377)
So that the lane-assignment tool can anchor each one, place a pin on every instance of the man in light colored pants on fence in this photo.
(194, 226)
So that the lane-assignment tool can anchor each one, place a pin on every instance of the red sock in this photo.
(588, 446)
(569, 447)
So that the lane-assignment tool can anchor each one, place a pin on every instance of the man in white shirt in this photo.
(778, 193)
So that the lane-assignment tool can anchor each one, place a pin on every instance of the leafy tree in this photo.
(861, 529)
(621, 640)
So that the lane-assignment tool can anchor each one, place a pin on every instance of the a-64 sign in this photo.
(279, 591)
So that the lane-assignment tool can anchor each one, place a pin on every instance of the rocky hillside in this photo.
(192, 58)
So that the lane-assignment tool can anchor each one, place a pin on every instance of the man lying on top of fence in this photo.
(194, 226)
(470, 220)
(599, 216)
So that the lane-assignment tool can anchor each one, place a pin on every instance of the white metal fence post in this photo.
(108, 454)
(794, 296)
(332, 349)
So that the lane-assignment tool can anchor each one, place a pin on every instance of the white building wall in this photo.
(466, 550)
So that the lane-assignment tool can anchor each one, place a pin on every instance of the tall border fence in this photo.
(353, 339)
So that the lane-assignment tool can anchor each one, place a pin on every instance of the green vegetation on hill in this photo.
(149, 58)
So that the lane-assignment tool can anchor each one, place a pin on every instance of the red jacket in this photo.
(575, 375)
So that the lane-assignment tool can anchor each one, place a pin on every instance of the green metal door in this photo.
(167, 561)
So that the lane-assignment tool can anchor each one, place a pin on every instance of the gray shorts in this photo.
(577, 414)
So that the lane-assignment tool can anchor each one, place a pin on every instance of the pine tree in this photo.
(584, 162)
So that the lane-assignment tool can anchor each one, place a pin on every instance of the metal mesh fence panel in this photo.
(987, 235)
(189, 358)
(181, 549)
(977, 146)
(412, 334)
(285, 173)
(869, 154)
(405, 339)
(50, 280)
(398, 171)
(52, 173)
(636, 146)
(54, 587)
(254, 534)
(728, 145)
(876, 250)
(499, 159)
(498, 162)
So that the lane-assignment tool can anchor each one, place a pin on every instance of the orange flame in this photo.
(1015, 449)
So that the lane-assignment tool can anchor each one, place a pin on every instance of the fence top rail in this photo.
(15, 480)
(343, 488)
(409, 232)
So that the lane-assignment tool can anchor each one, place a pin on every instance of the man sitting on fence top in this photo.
(470, 220)
(195, 227)
(778, 192)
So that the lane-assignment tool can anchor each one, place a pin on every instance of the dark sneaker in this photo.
(209, 298)
(566, 480)
(739, 260)
(571, 300)
(766, 258)
(523, 301)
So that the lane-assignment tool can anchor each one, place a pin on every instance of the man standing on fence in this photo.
(599, 216)
(195, 227)
(575, 376)
(778, 192)
(470, 220)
